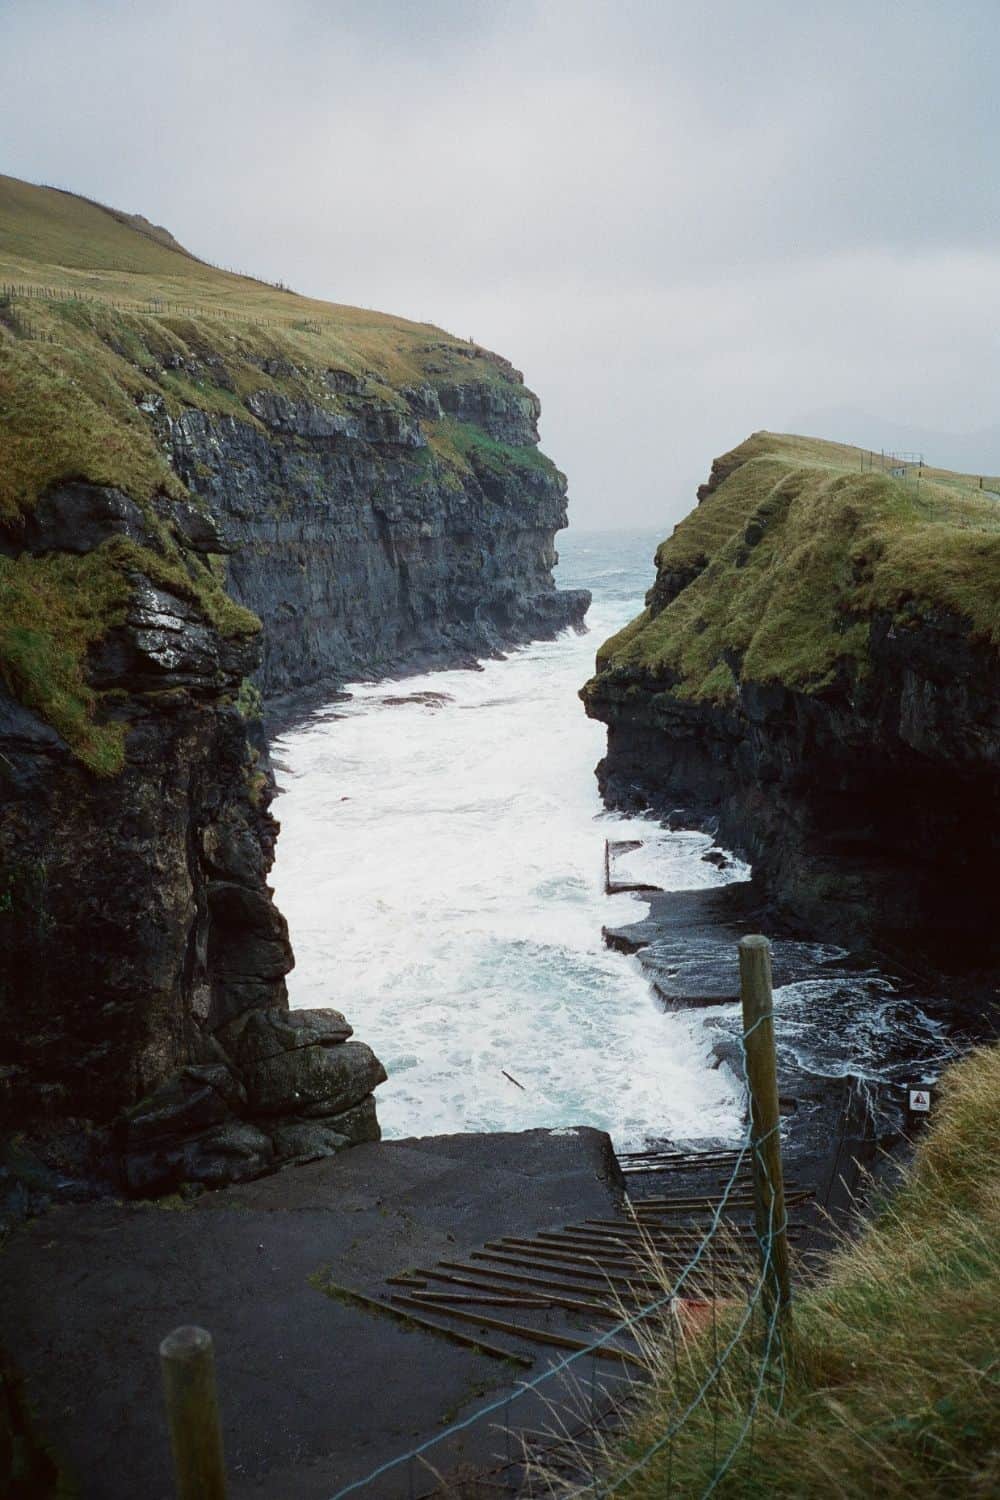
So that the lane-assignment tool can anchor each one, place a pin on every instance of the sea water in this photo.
(441, 866)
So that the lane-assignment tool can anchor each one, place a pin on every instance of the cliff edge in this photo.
(212, 492)
(817, 675)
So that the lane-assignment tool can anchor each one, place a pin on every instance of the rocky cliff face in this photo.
(372, 491)
(143, 952)
(870, 812)
(867, 801)
(362, 551)
(143, 958)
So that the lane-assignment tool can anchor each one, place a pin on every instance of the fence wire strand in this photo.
(761, 1293)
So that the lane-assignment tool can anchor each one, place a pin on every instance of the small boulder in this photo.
(313, 1080)
(189, 1101)
(357, 1124)
(306, 1140)
(297, 1141)
(231, 1152)
(260, 1034)
(234, 1152)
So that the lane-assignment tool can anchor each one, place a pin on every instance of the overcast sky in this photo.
(684, 221)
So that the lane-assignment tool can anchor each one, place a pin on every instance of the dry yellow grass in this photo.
(52, 239)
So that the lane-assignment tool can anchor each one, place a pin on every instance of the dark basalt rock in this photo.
(231, 1152)
(687, 945)
(424, 401)
(123, 945)
(190, 1101)
(507, 418)
(288, 1086)
(75, 518)
(870, 811)
(358, 553)
(262, 1034)
(313, 1081)
(194, 528)
(308, 1140)
(135, 913)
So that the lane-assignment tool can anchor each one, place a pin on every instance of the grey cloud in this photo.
(684, 221)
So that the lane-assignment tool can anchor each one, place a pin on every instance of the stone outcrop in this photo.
(870, 810)
(288, 1086)
(144, 1031)
(214, 505)
(867, 804)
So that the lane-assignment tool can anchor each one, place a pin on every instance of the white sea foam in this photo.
(672, 861)
(441, 868)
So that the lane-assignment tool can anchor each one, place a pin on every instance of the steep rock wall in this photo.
(868, 801)
(360, 550)
(140, 939)
(176, 443)
(870, 812)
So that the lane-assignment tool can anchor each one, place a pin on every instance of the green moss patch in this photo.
(68, 410)
(55, 609)
(476, 450)
(52, 611)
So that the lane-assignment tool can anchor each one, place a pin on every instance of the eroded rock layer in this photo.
(142, 948)
(360, 550)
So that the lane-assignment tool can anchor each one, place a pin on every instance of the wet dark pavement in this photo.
(314, 1392)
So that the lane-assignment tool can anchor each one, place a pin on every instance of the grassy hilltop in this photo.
(111, 328)
(774, 577)
(128, 300)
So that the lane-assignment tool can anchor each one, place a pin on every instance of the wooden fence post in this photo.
(762, 1077)
(188, 1363)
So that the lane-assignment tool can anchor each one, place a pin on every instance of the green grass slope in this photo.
(893, 1359)
(779, 569)
(108, 318)
(125, 299)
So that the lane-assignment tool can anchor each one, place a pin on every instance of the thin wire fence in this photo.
(761, 1296)
(160, 307)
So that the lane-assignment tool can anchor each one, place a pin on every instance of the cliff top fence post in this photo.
(765, 1136)
(188, 1363)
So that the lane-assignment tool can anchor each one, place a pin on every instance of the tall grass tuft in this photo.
(891, 1365)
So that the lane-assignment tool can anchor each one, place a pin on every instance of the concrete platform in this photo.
(314, 1392)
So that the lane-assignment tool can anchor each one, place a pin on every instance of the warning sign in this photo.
(920, 1101)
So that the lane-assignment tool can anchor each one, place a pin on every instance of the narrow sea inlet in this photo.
(441, 868)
